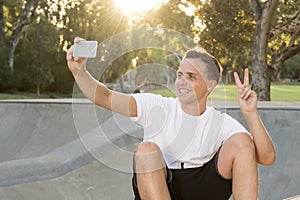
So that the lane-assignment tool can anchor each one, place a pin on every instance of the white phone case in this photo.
(85, 49)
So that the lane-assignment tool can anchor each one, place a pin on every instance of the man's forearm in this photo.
(265, 150)
(91, 88)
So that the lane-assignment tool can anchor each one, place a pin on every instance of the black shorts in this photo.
(203, 182)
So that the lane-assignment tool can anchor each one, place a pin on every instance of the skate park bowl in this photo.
(53, 149)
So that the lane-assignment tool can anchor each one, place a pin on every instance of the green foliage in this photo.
(12, 11)
(34, 64)
(291, 68)
(228, 31)
(285, 33)
(170, 16)
(4, 74)
(97, 20)
(40, 56)
(63, 79)
(151, 67)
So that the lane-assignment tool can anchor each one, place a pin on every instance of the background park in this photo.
(261, 35)
(54, 145)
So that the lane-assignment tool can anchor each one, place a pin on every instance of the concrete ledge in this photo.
(293, 198)
(229, 104)
(26, 170)
(66, 158)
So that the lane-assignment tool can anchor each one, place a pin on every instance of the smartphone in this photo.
(85, 49)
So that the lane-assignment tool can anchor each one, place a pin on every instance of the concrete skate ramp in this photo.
(46, 152)
(42, 140)
(281, 180)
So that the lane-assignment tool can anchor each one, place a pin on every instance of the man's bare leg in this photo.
(151, 172)
(237, 161)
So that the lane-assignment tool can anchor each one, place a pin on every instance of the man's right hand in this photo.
(75, 64)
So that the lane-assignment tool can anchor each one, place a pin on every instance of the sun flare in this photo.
(129, 7)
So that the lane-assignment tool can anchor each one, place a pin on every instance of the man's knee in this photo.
(148, 157)
(242, 142)
(147, 147)
(237, 146)
(241, 147)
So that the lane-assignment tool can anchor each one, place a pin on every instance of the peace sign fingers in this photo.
(243, 88)
(238, 82)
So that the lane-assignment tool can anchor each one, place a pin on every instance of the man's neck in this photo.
(194, 109)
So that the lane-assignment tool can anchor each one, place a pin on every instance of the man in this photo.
(190, 151)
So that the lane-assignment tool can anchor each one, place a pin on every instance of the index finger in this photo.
(78, 39)
(237, 80)
(70, 53)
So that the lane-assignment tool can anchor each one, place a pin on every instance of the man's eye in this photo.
(179, 75)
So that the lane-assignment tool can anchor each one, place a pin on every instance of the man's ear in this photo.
(211, 85)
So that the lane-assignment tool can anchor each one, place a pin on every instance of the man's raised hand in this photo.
(247, 98)
(75, 64)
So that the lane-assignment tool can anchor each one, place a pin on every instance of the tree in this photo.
(278, 29)
(170, 28)
(13, 24)
(227, 32)
(96, 20)
(169, 16)
(284, 42)
(272, 29)
(39, 55)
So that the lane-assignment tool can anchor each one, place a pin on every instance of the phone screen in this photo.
(85, 49)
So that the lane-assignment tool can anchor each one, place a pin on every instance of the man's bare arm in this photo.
(97, 92)
(247, 99)
(265, 150)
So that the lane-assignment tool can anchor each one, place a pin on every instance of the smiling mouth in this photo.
(183, 91)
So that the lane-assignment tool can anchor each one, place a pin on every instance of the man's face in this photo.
(191, 82)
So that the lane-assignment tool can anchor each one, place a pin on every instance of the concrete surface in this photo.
(60, 149)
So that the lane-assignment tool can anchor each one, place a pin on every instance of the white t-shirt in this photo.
(183, 138)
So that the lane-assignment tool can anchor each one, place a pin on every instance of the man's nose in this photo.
(182, 80)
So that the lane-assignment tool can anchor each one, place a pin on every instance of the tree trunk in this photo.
(25, 19)
(261, 73)
(2, 22)
(11, 55)
(38, 90)
(261, 80)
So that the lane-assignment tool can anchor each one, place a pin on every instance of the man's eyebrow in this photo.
(188, 73)
(191, 73)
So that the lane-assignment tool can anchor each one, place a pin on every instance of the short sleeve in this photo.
(145, 102)
(232, 126)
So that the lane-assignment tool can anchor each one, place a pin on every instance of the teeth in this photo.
(183, 91)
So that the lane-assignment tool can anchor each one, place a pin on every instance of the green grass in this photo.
(22, 95)
(288, 93)
(5, 96)
(285, 93)
(279, 92)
